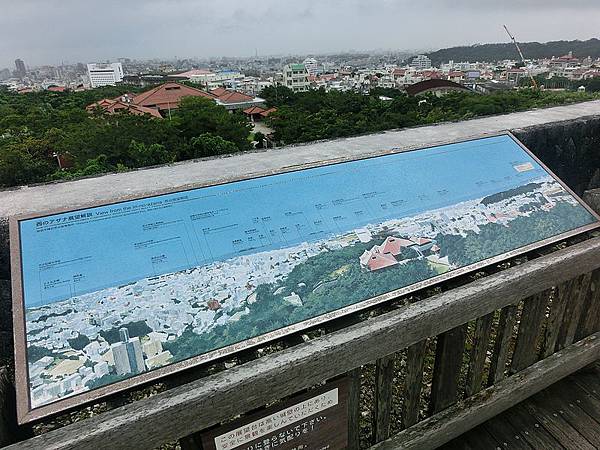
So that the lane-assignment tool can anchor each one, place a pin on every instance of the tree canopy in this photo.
(35, 128)
(317, 114)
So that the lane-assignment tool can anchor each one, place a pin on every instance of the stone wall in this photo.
(570, 148)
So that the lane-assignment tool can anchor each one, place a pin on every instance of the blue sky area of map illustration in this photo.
(65, 255)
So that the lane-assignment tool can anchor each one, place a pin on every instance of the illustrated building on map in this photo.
(128, 354)
(387, 254)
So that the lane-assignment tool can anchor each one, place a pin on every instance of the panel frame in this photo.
(25, 413)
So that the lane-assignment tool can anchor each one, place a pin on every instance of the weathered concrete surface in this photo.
(566, 138)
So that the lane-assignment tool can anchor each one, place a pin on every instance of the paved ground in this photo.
(564, 416)
(260, 127)
(141, 182)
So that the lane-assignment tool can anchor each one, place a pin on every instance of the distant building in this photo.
(168, 96)
(120, 104)
(437, 87)
(21, 70)
(312, 66)
(152, 348)
(57, 88)
(234, 100)
(4, 74)
(105, 74)
(421, 62)
(295, 77)
(256, 113)
(210, 80)
(159, 101)
(515, 75)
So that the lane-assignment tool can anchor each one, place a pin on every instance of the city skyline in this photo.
(207, 30)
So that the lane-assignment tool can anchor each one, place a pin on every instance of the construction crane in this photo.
(533, 82)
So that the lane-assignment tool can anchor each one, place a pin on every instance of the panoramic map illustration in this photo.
(111, 292)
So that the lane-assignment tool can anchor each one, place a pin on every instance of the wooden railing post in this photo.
(578, 300)
(354, 409)
(413, 383)
(590, 320)
(506, 323)
(481, 340)
(384, 377)
(532, 317)
(555, 319)
(448, 361)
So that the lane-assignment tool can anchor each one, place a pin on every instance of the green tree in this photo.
(142, 155)
(208, 144)
(197, 115)
(24, 162)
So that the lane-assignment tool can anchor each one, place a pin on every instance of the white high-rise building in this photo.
(421, 62)
(295, 77)
(105, 74)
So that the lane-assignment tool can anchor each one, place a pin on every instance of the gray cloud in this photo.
(51, 31)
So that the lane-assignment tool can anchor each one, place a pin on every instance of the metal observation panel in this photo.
(114, 295)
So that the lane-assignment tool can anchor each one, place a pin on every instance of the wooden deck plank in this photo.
(480, 439)
(558, 404)
(558, 427)
(589, 382)
(531, 429)
(505, 434)
(565, 415)
(583, 399)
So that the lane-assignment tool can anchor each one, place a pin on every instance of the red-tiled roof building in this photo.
(168, 96)
(234, 100)
(258, 113)
(114, 106)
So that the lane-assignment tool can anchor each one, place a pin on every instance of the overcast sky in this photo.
(51, 31)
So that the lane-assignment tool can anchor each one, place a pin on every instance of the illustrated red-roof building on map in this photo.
(385, 255)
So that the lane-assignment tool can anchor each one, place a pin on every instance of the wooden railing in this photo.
(422, 372)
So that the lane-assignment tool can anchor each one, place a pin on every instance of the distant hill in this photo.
(531, 50)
